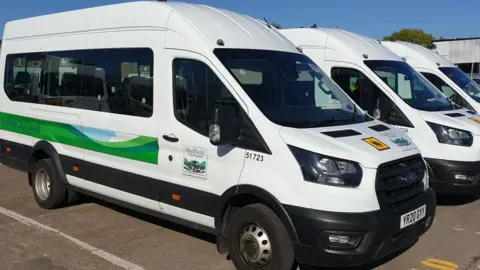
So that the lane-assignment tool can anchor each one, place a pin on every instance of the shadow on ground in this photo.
(455, 200)
(41, 263)
(369, 266)
(155, 220)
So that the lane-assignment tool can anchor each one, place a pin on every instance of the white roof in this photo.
(417, 55)
(340, 41)
(182, 19)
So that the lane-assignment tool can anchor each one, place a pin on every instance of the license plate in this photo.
(412, 217)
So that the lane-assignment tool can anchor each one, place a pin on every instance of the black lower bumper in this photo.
(380, 233)
(443, 181)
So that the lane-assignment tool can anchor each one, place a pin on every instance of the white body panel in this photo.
(331, 48)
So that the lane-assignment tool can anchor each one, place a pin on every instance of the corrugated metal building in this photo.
(464, 52)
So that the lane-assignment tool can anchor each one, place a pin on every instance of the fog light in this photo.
(339, 239)
(462, 177)
(343, 241)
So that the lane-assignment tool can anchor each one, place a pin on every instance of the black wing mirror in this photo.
(383, 109)
(225, 128)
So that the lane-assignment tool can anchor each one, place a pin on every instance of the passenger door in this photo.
(201, 170)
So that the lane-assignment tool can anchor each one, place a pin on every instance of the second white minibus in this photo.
(389, 89)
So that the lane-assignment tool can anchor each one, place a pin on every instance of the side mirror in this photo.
(225, 128)
(383, 109)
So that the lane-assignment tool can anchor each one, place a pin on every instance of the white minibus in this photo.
(448, 78)
(211, 119)
(389, 89)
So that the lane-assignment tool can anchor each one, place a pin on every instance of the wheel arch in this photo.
(243, 195)
(44, 149)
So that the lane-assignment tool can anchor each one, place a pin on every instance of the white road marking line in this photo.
(91, 249)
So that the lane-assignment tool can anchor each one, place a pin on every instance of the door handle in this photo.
(170, 138)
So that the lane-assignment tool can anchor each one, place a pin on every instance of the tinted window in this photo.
(109, 80)
(289, 88)
(447, 90)
(119, 81)
(463, 81)
(23, 75)
(366, 94)
(362, 90)
(414, 89)
(439, 84)
(61, 83)
(197, 93)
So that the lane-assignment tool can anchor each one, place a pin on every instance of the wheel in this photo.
(257, 239)
(48, 189)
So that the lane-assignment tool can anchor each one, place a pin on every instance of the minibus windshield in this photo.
(290, 89)
(463, 81)
(409, 85)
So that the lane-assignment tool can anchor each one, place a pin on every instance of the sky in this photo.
(373, 18)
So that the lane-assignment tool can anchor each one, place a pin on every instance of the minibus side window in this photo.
(60, 85)
(446, 90)
(116, 81)
(23, 73)
(366, 94)
(198, 92)
(362, 90)
(439, 84)
(120, 81)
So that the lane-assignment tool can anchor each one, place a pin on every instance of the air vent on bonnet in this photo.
(342, 133)
(471, 112)
(454, 114)
(379, 127)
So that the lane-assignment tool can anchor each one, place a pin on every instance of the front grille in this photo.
(399, 183)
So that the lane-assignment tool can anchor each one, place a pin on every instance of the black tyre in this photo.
(48, 189)
(257, 239)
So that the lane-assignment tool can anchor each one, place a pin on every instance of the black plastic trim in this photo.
(443, 182)
(194, 200)
(342, 133)
(381, 233)
(48, 149)
(454, 114)
(379, 128)
(17, 157)
(262, 194)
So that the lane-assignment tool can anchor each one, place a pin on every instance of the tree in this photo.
(276, 25)
(416, 36)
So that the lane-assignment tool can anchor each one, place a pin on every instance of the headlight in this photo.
(325, 170)
(450, 135)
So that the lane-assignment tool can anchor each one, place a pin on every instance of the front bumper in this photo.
(443, 181)
(381, 233)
